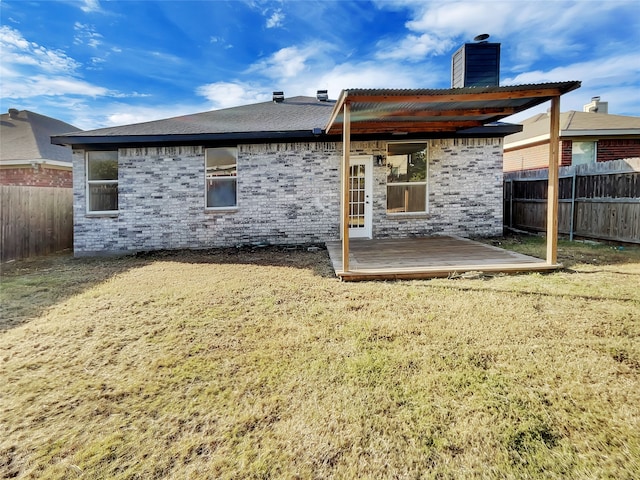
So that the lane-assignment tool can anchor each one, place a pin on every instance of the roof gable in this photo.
(27, 136)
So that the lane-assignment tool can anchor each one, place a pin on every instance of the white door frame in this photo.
(366, 230)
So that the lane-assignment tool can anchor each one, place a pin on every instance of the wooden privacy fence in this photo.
(600, 201)
(35, 221)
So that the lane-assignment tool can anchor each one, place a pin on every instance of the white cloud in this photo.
(535, 29)
(287, 62)
(39, 85)
(220, 41)
(414, 48)
(89, 6)
(16, 50)
(613, 79)
(231, 94)
(86, 34)
(452, 19)
(275, 20)
(120, 114)
(371, 75)
(30, 70)
(302, 70)
(618, 70)
(104, 112)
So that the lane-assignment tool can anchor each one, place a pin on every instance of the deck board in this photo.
(427, 257)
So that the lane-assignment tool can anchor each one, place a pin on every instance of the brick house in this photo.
(389, 163)
(590, 136)
(27, 157)
(35, 186)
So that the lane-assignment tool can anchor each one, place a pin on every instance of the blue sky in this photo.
(98, 63)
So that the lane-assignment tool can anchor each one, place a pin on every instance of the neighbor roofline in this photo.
(569, 134)
(36, 161)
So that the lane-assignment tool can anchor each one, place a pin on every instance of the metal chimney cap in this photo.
(13, 112)
(278, 97)
(481, 38)
(322, 95)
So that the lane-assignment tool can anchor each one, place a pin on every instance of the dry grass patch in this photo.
(263, 365)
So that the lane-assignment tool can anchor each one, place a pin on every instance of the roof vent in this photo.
(13, 112)
(278, 97)
(322, 95)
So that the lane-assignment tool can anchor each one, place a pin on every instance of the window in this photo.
(407, 177)
(583, 152)
(221, 177)
(102, 182)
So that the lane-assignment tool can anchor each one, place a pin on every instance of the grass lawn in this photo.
(240, 364)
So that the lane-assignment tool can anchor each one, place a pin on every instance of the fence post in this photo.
(573, 203)
(511, 203)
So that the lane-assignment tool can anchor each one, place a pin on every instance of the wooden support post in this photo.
(346, 188)
(552, 195)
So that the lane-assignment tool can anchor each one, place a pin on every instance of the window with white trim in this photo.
(102, 182)
(221, 177)
(407, 177)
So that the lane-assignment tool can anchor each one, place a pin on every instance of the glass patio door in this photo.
(360, 197)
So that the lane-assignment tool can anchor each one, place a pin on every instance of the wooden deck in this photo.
(427, 257)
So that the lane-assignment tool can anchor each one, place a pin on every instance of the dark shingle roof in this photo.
(293, 114)
(27, 136)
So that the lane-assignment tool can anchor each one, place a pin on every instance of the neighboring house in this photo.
(590, 136)
(27, 157)
(36, 205)
(419, 162)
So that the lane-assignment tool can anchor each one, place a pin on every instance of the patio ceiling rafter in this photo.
(385, 111)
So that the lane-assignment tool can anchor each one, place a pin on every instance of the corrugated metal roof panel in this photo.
(435, 109)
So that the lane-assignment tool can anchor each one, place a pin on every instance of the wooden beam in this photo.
(552, 192)
(457, 97)
(337, 108)
(441, 272)
(408, 126)
(466, 112)
(346, 160)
